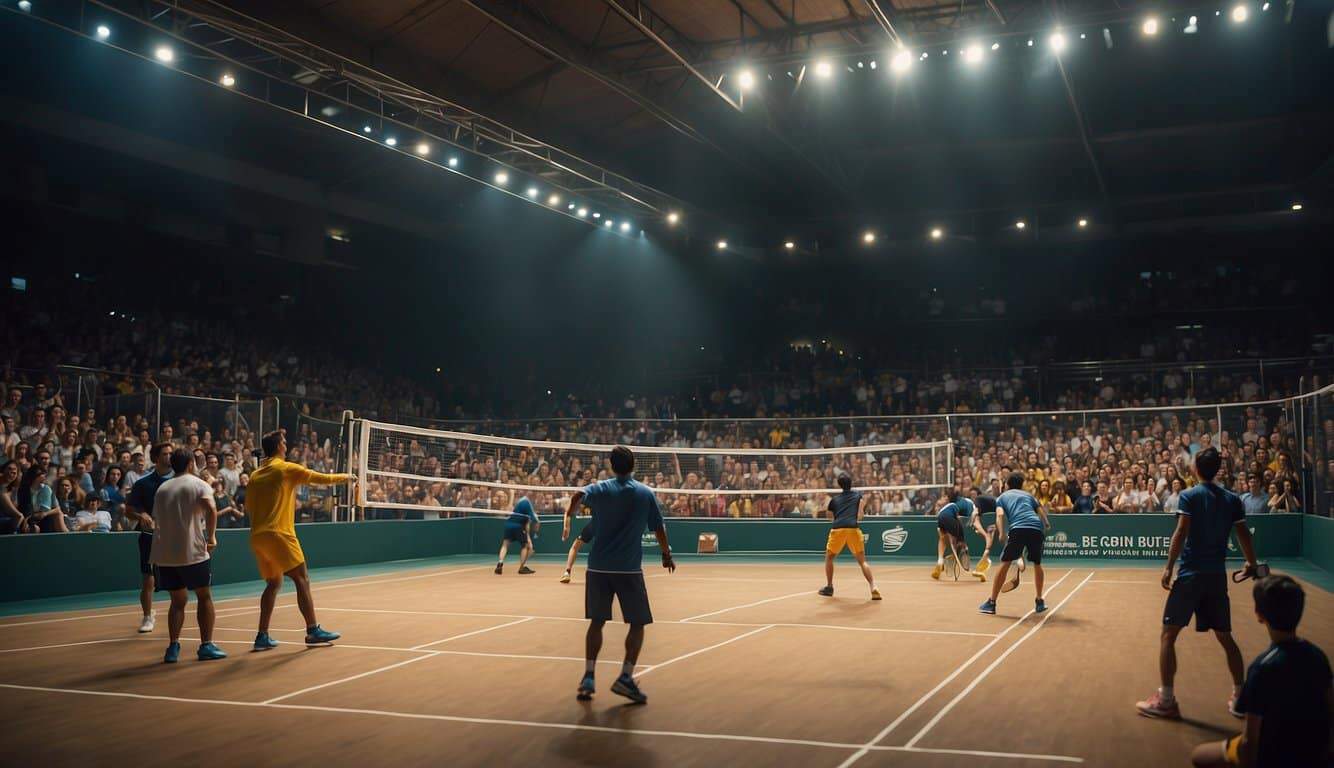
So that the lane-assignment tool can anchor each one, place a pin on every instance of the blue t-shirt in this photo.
(522, 515)
(844, 507)
(1287, 686)
(144, 491)
(623, 509)
(1021, 510)
(1213, 512)
(1255, 503)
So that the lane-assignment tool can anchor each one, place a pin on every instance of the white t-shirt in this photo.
(181, 536)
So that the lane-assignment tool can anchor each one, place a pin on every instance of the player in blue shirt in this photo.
(139, 509)
(1021, 523)
(516, 530)
(846, 509)
(1287, 699)
(1206, 516)
(623, 509)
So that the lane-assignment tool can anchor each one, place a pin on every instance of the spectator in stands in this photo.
(9, 434)
(229, 474)
(113, 499)
(1102, 502)
(11, 519)
(1084, 503)
(1287, 499)
(229, 516)
(1255, 501)
(1171, 502)
(1060, 500)
(37, 503)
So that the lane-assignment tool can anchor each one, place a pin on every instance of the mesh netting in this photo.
(462, 473)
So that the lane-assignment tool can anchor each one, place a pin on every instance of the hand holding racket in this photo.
(1251, 571)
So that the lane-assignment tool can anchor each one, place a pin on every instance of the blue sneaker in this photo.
(585, 688)
(626, 686)
(319, 636)
(1039, 605)
(210, 652)
(264, 643)
(988, 607)
(173, 654)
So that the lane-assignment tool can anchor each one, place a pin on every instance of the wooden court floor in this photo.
(745, 665)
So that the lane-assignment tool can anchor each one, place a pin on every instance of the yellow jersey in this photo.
(270, 499)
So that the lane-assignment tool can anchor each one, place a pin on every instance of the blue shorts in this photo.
(516, 533)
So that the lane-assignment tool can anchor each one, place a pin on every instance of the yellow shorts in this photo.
(1232, 750)
(845, 537)
(276, 553)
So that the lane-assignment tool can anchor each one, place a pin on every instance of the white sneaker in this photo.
(148, 623)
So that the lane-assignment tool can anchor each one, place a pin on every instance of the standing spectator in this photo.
(1255, 501)
(229, 474)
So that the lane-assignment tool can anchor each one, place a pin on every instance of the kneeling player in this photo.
(585, 536)
(949, 531)
(516, 530)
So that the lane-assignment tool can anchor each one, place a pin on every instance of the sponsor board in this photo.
(894, 538)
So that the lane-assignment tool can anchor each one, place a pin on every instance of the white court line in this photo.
(388, 667)
(538, 724)
(703, 650)
(314, 586)
(71, 645)
(929, 694)
(849, 629)
(747, 605)
(991, 667)
(482, 631)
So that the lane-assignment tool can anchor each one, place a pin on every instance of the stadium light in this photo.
(1191, 27)
(423, 149)
(789, 245)
(103, 31)
(995, 46)
(1083, 223)
(1150, 27)
(583, 213)
(1021, 224)
(625, 226)
(164, 54)
(553, 200)
(502, 178)
(868, 237)
(746, 79)
(722, 246)
(228, 81)
(673, 218)
(608, 223)
(937, 233)
(823, 69)
(597, 215)
(1296, 206)
(1030, 42)
(901, 62)
(1264, 7)
(1240, 13)
(973, 54)
(570, 207)
(364, 128)
(1057, 42)
(25, 6)
(453, 162)
(391, 141)
(532, 192)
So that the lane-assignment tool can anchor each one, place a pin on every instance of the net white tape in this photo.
(405, 467)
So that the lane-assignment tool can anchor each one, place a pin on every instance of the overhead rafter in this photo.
(883, 19)
(645, 27)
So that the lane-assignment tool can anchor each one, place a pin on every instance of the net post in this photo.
(363, 449)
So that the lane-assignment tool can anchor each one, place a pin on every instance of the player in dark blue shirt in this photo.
(516, 530)
(1206, 516)
(1287, 699)
(846, 509)
(139, 508)
(623, 509)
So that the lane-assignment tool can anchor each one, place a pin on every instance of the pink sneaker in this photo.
(1157, 707)
(1232, 708)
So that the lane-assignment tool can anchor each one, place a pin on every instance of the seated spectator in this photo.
(1060, 500)
(1127, 501)
(37, 503)
(11, 519)
(228, 514)
(1255, 501)
(113, 500)
(1083, 504)
(1287, 498)
(1103, 501)
(1171, 502)
(92, 517)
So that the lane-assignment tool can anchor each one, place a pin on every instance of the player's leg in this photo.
(146, 583)
(1034, 549)
(1013, 548)
(305, 601)
(866, 572)
(570, 558)
(176, 614)
(524, 554)
(1217, 754)
(1236, 666)
(632, 594)
(504, 550)
(206, 616)
(941, 538)
(1182, 602)
(834, 544)
(597, 609)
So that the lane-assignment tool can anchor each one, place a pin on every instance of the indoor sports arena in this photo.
(832, 383)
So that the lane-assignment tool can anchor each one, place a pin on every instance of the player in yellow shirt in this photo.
(271, 502)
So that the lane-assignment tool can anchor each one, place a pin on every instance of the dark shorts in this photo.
(173, 577)
(1203, 595)
(145, 549)
(516, 533)
(586, 535)
(950, 524)
(1023, 540)
(628, 588)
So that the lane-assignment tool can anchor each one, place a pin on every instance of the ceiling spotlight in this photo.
(789, 245)
(1021, 224)
(228, 81)
(673, 217)
(868, 237)
(1150, 26)
(553, 200)
(746, 79)
(872, 63)
(901, 62)
(164, 54)
(25, 6)
(937, 233)
(625, 226)
(722, 245)
(823, 69)
(1240, 13)
(570, 207)
(1264, 7)
(1057, 42)
(453, 162)
(532, 192)
(1083, 223)
(608, 223)
(1191, 27)
(1030, 43)
(103, 31)
(364, 128)
(391, 141)
(423, 149)
(597, 215)
(995, 46)
(1296, 206)
(972, 54)
(502, 177)
(583, 213)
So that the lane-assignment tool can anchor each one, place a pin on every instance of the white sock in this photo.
(940, 561)
(588, 666)
(1166, 692)
(628, 669)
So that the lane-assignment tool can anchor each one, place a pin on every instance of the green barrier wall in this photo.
(51, 565)
(1318, 541)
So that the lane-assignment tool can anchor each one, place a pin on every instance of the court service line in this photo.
(535, 724)
(387, 667)
(482, 631)
(685, 656)
(931, 693)
(315, 586)
(991, 667)
(747, 605)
